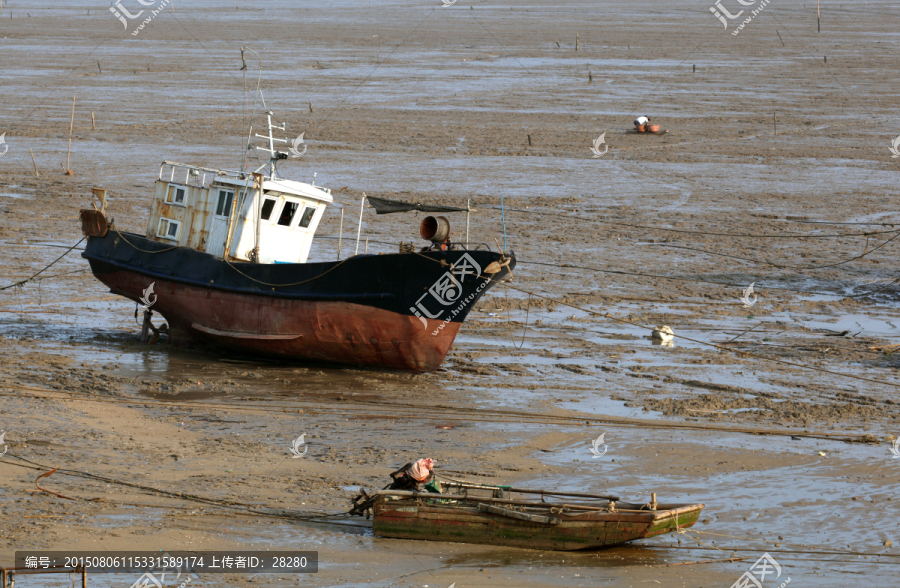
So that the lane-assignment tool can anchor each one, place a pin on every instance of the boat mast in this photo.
(274, 156)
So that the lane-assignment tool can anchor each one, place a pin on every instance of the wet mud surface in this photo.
(777, 416)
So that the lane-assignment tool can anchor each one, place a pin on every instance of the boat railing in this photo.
(196, 175)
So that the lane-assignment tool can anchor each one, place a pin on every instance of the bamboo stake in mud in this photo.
(819, 15)
(340, 234)
(98, 66)
(576, 41)
(468, 212)
(93, 125)
(71, 125)
(362, 202)
(36, 174)
(775, 123)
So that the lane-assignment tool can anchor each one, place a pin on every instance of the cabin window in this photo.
(223, 208)
(268, 207)
(168, 229)
(287, 213)
(175, 195)
(308, 213)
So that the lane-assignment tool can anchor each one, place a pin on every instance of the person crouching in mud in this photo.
(406, 478)
(412, 474)
(641, 121)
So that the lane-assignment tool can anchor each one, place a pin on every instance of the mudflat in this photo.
(777, 411)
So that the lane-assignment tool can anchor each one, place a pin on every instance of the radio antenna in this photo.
(257, 95)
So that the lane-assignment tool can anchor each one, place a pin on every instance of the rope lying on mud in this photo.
(407, 411)
(702, 281)
(690, 232)
(28, 279)
(767, 549)
(229, 504)
(762, 262)
(699, 342)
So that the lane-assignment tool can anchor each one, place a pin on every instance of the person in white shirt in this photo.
(641, 120)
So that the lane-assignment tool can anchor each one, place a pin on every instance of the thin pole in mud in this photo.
(36, 174)
(340, 233)
(503, 217)
(71, 125)
(468, 212)
(359, 228)
(775, 123)
(819, 15)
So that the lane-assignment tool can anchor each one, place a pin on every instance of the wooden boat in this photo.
(498, 515)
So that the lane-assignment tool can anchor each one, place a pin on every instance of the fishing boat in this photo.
(225, 261)
(501, 515)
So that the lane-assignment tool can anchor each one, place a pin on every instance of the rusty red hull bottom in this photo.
(317, 331)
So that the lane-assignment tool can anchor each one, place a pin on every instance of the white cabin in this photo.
(216, 211)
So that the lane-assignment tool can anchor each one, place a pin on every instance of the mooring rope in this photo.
(699, 342)
(28, 279)
(252, 279)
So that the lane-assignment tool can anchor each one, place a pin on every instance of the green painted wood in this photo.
(463, 524)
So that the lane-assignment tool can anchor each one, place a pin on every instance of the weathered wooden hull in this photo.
(405, 519)
(365, 311)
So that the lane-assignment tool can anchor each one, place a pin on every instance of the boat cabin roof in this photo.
(282, 187)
